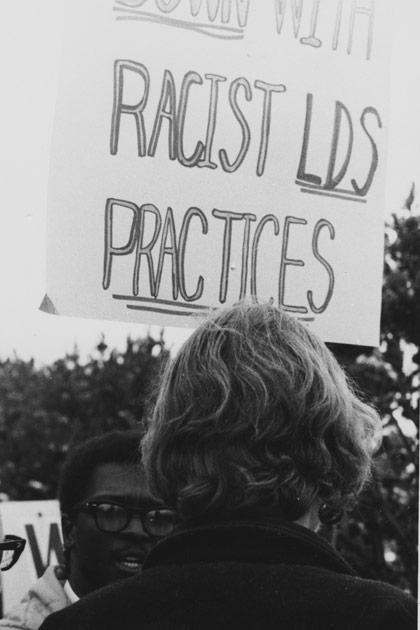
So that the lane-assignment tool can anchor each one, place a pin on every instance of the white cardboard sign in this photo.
(210, 150)
(39, 523)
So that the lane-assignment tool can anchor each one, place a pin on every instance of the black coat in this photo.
(246, 576)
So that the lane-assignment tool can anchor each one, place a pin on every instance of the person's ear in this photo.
(68, 528)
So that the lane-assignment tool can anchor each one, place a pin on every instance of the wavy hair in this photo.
(255, 414)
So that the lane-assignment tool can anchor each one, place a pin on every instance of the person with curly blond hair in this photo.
(256, 439)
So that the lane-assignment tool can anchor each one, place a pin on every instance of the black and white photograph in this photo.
(210, 339)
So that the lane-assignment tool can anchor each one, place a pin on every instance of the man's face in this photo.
(98, 558)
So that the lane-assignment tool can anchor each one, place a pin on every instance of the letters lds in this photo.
(176, 248)
(333, 178)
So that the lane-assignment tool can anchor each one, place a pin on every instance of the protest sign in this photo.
(39, 523)
(207, 151)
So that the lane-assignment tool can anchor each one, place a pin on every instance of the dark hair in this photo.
(255, 413)
(114, 446)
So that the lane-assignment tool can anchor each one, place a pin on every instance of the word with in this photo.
(55, 546)
(175, 248)
(175, 116)
(333, 178)
(216, 9)
(356, 10)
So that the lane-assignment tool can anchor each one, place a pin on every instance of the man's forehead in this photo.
(119, 481)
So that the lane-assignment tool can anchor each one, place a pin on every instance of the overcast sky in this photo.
(28, 64)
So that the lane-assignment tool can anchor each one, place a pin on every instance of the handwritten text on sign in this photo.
(224, 150)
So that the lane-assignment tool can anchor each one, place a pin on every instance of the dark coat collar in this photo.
(263, 541)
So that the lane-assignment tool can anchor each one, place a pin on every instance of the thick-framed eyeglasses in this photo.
(112, 518)
(10, 551)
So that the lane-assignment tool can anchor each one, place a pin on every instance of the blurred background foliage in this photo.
(380, 537)
(45, 410)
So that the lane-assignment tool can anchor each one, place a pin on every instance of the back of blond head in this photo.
(255, 414)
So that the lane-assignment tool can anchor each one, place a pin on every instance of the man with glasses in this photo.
(110, 522)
